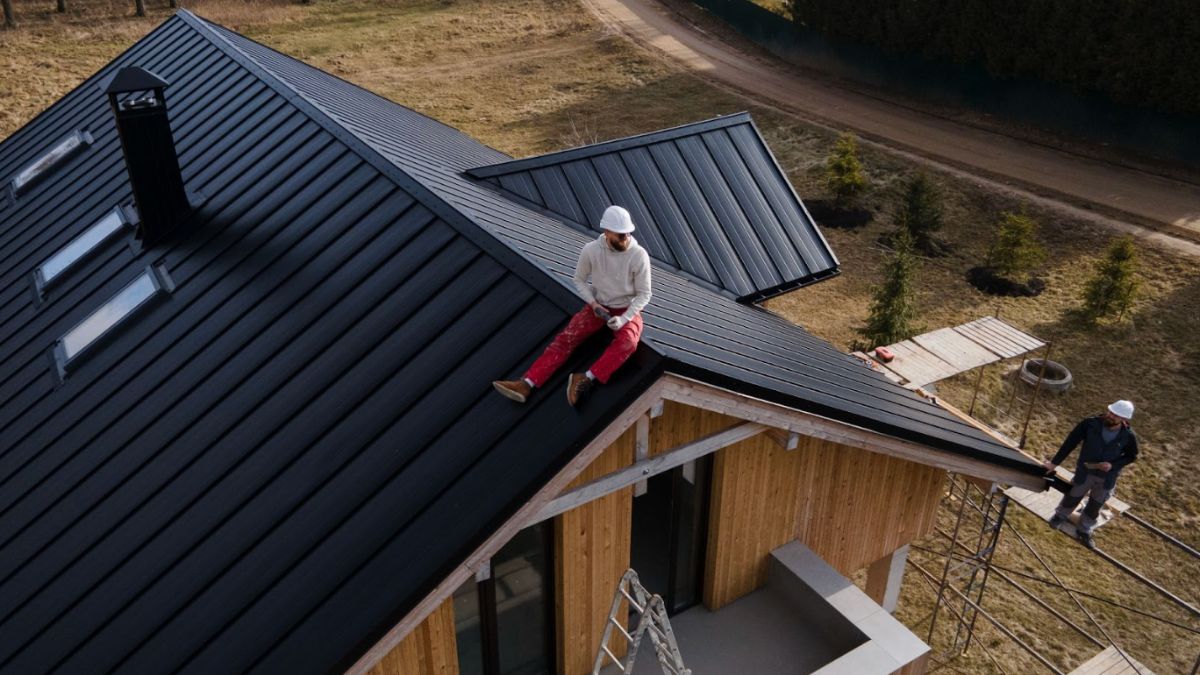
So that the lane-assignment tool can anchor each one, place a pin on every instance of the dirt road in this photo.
(1120, 197)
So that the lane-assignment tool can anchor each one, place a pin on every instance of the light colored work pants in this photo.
(1097, 494)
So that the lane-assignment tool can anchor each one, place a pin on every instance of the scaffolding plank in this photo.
(1111, 662)
(956, 349)
(987, 335)
(917, 365)
(1042, 504)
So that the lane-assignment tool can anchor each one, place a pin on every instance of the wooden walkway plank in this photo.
(917, 365)
(989, 336)
(1111, 662)
(956, 349)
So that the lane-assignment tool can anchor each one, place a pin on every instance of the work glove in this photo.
(617, 322)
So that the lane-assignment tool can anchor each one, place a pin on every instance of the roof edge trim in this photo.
(614, 145)
(789, 286)
(740, 387)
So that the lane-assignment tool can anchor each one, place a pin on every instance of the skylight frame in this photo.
(94, 237)
(35, 171)
(96, 328)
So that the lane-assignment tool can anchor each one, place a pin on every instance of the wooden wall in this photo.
(755, 493)
(430, 649)
(850, 506)
(591, 553)
(858, 506)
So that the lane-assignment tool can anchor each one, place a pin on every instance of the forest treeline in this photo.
(1133, 51)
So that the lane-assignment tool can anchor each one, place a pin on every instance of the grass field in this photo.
(528, 76)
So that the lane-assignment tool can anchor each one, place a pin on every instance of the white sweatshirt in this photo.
(619, 278)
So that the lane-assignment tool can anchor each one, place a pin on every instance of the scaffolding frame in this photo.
(979, 513)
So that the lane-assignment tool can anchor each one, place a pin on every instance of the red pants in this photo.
(582, 326)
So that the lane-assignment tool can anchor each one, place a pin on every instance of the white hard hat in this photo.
(1122, 409)
(616, 219)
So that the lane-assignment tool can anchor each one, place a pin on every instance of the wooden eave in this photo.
(782, 423)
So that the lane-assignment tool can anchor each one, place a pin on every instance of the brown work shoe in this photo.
(578, 384)
(517, 390)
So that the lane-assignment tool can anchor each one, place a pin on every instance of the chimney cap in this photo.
(133, 78)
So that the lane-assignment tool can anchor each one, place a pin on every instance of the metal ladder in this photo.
(652, 621)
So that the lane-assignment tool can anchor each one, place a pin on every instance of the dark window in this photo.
(670, 534)
(505, 624)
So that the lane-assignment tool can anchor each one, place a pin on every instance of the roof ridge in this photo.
(582, 228)
(612, 145)
(502, 251)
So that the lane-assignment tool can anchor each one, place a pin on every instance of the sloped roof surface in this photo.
(261, 455)
(704, 334)
(708, 199)
(243, 476)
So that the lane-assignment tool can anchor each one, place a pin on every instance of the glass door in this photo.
(670, 525)
(505, 623)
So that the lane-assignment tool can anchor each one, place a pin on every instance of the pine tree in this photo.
(1112, 288)
(921, 214)
(893, 310)
(843, 172)
(1015, 250)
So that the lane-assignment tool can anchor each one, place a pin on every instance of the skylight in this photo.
(58, 154)
(80, 247)
(109, 316)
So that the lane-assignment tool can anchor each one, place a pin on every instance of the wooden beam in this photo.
(641, 450)
(691, 392)
(656, 410)
(639, 471)
(524, 516)
(788, 440)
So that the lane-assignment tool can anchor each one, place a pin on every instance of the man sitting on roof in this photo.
(620, 287)
(1109, 445)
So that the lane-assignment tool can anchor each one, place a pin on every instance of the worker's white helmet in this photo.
(1122, 409)
(616, 219)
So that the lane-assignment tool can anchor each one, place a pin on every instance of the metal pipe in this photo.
(959, 616)
(1042, 603)
(1037, 388)
(975, 394)
(1069, 589)
(1074, 599)
(949, 558)
(1188, 549)
(1133, 573)
(999, 626)
(987, 568)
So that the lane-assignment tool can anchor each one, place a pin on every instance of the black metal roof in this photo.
(708, 198)
(269, 468)
(262, 454)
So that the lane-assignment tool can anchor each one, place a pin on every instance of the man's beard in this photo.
(620, 245)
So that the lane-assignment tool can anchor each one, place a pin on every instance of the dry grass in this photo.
(529, 76)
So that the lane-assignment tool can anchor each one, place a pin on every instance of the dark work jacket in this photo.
(1122, 451)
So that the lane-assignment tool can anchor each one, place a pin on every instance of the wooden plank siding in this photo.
(755, 495)
(858, 506)
(430, 649)
(850, 506)
(591, 553)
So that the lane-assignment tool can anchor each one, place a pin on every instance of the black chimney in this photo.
(136, 96)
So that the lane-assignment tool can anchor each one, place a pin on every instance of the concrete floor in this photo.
(759, 634)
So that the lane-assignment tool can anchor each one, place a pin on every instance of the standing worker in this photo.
(619, 270)
(1109, 445)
